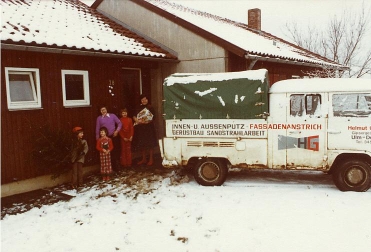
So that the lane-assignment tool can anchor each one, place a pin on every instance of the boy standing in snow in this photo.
(105, 146)
(79, 150)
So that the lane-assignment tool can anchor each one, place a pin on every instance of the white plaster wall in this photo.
(195, 53)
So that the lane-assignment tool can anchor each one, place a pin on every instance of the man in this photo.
(113, 125)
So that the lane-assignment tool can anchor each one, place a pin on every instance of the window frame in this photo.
(34, 77)
(76, 103)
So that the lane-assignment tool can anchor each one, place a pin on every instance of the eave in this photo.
(71, 51)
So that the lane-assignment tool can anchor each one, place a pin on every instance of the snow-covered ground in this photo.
(252, 211)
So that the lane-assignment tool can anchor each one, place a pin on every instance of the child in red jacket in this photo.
(126, 135)
(105, 146)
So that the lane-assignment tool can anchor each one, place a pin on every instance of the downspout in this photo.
(252, 64)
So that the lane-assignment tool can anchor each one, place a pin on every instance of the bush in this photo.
(52, 150)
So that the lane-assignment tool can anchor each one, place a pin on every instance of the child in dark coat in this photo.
(79, 150)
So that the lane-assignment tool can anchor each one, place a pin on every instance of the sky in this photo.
(283, 211)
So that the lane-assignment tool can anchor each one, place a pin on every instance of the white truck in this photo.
(222, 120)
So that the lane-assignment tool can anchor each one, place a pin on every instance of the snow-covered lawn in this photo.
(252, 211)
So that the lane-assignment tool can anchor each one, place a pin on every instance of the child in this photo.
(79, 150)
(105, 146)
(126, 136)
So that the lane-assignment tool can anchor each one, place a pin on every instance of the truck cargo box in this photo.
(233, 95)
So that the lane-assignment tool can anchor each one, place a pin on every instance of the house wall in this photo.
(195, 53)
(18, 127)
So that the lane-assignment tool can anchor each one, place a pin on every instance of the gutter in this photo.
(255, 58)
(84, 53)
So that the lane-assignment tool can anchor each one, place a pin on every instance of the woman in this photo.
(144, 139)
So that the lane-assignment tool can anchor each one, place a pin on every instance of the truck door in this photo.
(305, 139)
(349, 126)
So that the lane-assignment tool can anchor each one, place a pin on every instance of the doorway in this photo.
(132, 84)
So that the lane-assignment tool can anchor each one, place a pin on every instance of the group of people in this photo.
(115, 139)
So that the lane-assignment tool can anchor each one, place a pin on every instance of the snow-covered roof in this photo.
(70, 24)
(321, 85)
(256, 43)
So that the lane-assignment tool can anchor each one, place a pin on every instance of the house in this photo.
(61, 60)
(210, 43)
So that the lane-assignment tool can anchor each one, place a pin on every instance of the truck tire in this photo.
(210, 172)
(353, 175)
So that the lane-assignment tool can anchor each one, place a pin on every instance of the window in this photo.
(301, 105)
(297, 105)
(22, 88)
(312, 104)
(351, 105)
(75, 88)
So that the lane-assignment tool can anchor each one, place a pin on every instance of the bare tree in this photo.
(343, 40)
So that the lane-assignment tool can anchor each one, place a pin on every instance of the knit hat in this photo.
(77, 130)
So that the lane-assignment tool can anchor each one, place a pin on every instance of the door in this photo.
(305, 140)
(132, 89)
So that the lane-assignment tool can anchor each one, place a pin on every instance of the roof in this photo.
(314, 85)
(72, 25)
(237, 37)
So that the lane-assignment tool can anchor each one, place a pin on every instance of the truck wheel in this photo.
(210, 172)
(353, 176)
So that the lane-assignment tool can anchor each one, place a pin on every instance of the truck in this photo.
(215, 122)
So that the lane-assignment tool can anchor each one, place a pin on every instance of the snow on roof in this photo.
(187, 78)
(254, 42)
(69, 24)
(321, 85)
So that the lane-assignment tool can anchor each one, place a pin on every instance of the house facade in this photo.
(209, 43)
(58, 73)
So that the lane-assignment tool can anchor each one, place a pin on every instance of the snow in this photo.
(187, 78)
(321, 85)
(46, 22)
(252, 211)
(202, 93)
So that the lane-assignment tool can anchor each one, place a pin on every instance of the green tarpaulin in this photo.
(233, 95)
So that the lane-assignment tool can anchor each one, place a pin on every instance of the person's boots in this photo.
(150, 162)
(144, 159)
